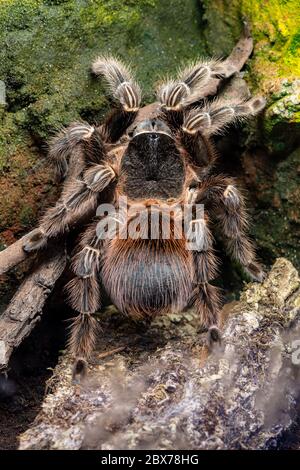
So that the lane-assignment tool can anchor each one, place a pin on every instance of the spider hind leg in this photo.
(84, 297)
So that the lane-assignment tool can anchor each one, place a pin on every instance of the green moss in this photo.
(277, 22)
(294, 47)
(26, 215)
(275, 66)
(274, 27)
(46, 48)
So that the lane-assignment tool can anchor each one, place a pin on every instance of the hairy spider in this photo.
(167, 161)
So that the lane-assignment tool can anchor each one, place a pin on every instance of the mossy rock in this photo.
(274, 69)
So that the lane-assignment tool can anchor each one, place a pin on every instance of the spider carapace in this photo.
(164, 172)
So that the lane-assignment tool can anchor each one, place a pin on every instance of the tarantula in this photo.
(168, 161)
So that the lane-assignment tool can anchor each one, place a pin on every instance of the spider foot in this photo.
(214, 337)
(120, 82)
(172, 95)
(36, 240)
(79, 371)
(255, 272)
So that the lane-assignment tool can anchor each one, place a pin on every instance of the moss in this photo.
(274, 67)
(46, 48)
(274, 27)
(277, 22)
(26, 215)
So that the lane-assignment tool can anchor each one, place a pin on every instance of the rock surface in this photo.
(163, 390)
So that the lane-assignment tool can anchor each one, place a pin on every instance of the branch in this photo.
(238, 57)
(12, 255)
(25, 308)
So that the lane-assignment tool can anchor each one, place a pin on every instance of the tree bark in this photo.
(26, 307)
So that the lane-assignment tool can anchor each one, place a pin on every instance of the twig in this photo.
(12, 255)
(111, 352)
(238, 57)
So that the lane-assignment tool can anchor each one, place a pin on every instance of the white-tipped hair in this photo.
(119, 80)
(214, 117)
(191, 82)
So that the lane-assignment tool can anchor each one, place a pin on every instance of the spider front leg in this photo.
(79, 196)
(206, 297)
(78, 135)
(200, 123)
(214, 117)
(124, 90)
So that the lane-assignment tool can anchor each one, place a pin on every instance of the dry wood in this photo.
(26, 307)
(12, 255)
(238, 57)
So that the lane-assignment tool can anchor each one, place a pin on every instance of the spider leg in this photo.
(214, 117)
(84, 297)
(124, 90)
(80, 195)
(228, 207)
(117, 123)
(199, 124)
(191, 83)
(197, 145)
(78, 135)
(196, 125)
(201, 150)
(78, 198)
(206, 297)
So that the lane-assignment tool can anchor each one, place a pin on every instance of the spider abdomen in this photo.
(145, 278)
